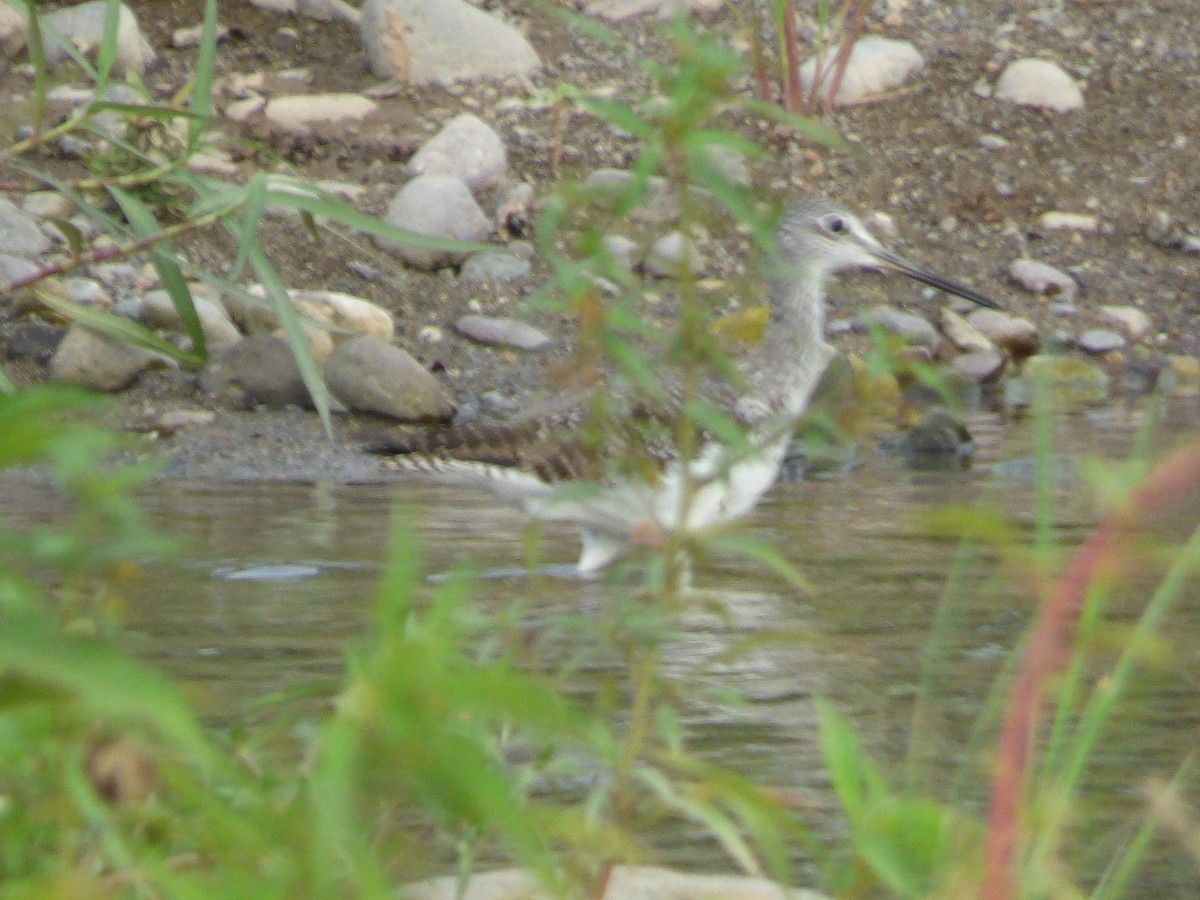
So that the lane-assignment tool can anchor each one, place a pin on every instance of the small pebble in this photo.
(1098, 341)
(502, 331)
(1042, 278)
(1039, 83)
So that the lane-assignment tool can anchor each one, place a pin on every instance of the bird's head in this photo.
(821, 238)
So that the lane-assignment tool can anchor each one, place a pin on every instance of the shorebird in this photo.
(528, 461)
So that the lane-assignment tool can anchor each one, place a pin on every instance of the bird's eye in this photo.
(834, 224)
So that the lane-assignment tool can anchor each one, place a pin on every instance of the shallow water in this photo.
(275, 579)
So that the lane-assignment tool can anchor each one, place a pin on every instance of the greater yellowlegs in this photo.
(528, 461)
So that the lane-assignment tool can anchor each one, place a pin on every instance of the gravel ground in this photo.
(1132, 154)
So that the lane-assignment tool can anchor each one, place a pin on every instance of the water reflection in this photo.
(879, 581)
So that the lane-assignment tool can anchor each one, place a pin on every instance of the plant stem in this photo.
(119, 251)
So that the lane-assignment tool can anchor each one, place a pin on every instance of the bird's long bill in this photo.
(899, 264)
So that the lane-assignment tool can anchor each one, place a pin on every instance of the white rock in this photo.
(158, 311)
(341, 311)
(175, 419)
(441, 41)
(216, 164)
(621, 249)
(87, 292)
(186, 38)
(1131, 320)
(1065, 221)
(876, 65)
(467, 148)
(1100, 340)
(83, 27)
(494, 267)
(283, 7)
(346, 312)
(300, 110)
(437, 205)
(1040, 83)
(1042, 278)
(19, 232)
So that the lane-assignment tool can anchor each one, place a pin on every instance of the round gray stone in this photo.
(912, 329)
(20, 233)
(1043, 278)
(92, 360)
(82, 26)
(466, 148)
(981, 366)
(441, 41)
(370, 375)
(440, 206)
(495, 267)
(258, 370)
(502, 331)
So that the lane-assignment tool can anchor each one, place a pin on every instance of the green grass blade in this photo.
(247, 233)
(290, 322)
(107, 54)
(163, 255)
(202, 88)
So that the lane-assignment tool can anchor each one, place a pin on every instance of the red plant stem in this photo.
(842, 59)
(791, 43)
(104, 254)
(1049, 648)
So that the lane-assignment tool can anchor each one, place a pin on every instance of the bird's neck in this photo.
(786, 366)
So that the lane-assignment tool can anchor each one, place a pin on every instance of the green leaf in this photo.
(619, 114)
(247, 234)
(760, 551)
(73, 235)
(289, 321)
(163, 255)
(839, 749)
(107, 54)
(205, 67)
